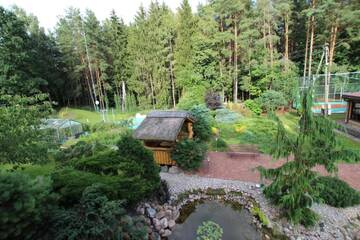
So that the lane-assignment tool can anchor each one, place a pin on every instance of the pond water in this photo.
(236, 224)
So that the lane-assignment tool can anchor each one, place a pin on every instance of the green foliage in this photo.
(256, 211)
(253, 105)
(80, 149)
(189, 154)
(97, 217)
(191, 97)
(335, 192)
(271, 100)
(21, 137)
(291, 186)
(26, 206)
(218, 144)
(226, 116)
(128, 173)
(202, 125)
(209, 230)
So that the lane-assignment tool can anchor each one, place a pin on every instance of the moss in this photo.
(234, 205)
(213, 192)
(186, 210)
(260, 215)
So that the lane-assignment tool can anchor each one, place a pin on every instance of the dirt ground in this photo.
(241, 166)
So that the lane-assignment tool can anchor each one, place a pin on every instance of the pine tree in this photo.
(315, 144)
(184, 48)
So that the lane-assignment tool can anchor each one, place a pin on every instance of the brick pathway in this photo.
(235, 166)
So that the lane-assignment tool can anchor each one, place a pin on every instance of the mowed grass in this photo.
(92, 117)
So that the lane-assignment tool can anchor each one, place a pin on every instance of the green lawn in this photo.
(92, 117)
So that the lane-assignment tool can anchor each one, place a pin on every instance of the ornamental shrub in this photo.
(218, 144)
(336, 192)
(26, 206)
(209, 230)
(189, 154)
(70, 183)
(202, 125)
(97, 217)
(271, 100)
(213, 100)
(253, 106)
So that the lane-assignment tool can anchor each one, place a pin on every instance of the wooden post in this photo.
(190, 129)
(348, 112)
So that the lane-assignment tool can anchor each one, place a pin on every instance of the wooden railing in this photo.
(162, 156)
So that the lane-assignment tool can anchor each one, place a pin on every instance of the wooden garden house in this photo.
(353, 108)
(160, 131)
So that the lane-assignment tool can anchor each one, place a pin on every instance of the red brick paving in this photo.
(229, 165)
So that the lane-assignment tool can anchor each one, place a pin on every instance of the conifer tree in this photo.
(292, 183)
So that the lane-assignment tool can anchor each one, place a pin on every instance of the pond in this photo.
(236, 223)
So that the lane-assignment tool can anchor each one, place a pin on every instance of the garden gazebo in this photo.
(160, 131)
(353, 108)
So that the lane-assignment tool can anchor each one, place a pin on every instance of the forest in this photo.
(238, 48)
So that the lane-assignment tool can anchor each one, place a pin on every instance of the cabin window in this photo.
(355, 112)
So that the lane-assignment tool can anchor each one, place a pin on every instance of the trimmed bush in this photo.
(253, 106)
(26, 206)
(271, 100)
(189, 154)
(97, 217)
(336, 192)
(202, 125)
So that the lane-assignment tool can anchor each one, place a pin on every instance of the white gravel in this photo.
(334, 223)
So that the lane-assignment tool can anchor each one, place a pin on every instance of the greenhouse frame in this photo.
(62, 129)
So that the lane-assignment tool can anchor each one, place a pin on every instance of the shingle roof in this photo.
(354, 95)
(162, 125)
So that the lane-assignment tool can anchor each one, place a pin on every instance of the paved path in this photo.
(232, 166)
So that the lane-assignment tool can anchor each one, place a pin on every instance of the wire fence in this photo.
(339, 83)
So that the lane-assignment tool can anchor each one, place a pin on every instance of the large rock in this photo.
(168, 214)
(166, 233)
(164, 223)
(150, 212)
(160, 215)
(156, 224)
(172, 224)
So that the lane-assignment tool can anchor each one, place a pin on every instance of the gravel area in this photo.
(334, 223)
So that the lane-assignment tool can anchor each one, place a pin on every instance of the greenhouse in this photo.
(63, 129)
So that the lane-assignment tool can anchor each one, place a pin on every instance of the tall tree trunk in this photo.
(312, 26)
(123, 96)
(172, 77)
(286, 54)
(235, 94)
(334, 30)
(306, 50)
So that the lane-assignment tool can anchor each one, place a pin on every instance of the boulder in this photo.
(160, 215)
(172, 224)
(150, 212)
(166, 233)
(164, 223)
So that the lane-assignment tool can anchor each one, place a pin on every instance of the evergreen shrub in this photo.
(219, 144)
(203, 122)
(336, 192)
(189, 154)
(26, 206)
(271, 100)
(226, 116)
(253, 106)
(97, 217)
